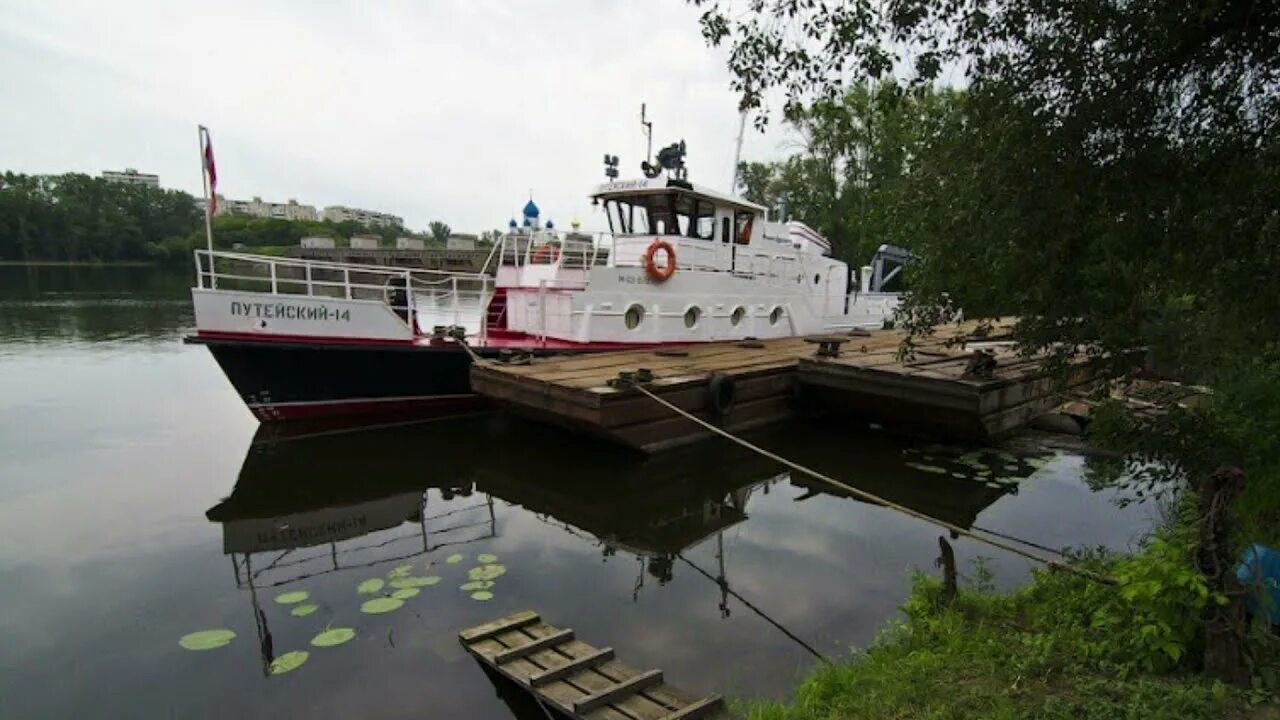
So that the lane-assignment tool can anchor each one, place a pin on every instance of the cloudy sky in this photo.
(434, 109)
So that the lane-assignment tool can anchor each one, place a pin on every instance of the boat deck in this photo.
(577, 679)
(934, 390)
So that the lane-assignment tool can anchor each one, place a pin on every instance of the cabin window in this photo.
(725, 228)
(744, 221)
(633, 317)
(775, 315)
(705, 221)
(738, 313)
(691, 317)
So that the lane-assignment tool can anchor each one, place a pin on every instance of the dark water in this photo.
(139, 501)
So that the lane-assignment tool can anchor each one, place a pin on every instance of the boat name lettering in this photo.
(629, 185)
(286, 311)
(634, 279)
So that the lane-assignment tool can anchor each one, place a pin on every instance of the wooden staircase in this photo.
(576, 679)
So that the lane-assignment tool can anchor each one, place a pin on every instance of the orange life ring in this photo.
(660, 273)
(546, 254)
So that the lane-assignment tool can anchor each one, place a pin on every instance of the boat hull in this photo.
(299, 380)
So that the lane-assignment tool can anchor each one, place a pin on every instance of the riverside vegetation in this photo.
(75, 218)
(1108, 172)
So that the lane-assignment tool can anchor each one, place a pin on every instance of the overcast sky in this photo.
(435, 109)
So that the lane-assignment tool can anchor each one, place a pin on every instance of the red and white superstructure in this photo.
(678, 264)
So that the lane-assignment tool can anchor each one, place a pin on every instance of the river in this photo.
(140, 501)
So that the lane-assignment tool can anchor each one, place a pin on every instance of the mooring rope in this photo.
(872, 497)
(858, 492)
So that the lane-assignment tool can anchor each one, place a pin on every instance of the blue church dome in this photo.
(528, 222)
(531, 209)
(513, 224)
(551, 225)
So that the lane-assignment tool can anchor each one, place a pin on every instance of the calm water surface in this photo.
(140, 501)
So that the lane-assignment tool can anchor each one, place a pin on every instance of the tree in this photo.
(439, 231)
(1114, 182)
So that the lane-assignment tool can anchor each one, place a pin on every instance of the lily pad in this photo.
(333, 636)
(370, 586)
(487, 572)
(476, 585)
(303, 610)
(486, 559)
(292, 598)
(482, 595)
(926, 468)
(454, 559)
(415, 581)
(405, 593)
(377, 606)
(289, 662)
(400, 571)
(206, 639)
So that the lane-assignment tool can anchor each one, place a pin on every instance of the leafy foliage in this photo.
(1063, 647)
(77, 218)
(439, 231)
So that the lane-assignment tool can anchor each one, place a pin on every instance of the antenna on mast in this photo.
(648, 132)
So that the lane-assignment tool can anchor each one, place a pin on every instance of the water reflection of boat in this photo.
(328, 502)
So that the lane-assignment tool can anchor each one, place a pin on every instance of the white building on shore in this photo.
(342, 213)
(257, 207)
(130, 176)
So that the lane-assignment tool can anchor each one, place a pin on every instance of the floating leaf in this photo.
(370, 586)
(926, 468)
(303, 610)
(476, 585)
(377, 606)
(333, 636)
(405, 593)
(487, 572)
(454, 559)
(486, 559)
(482, 595)
(292, 598)
(289, 661)
(206, 639)
(959, 475)
(994, 485)
(400, 571)
(415, 582)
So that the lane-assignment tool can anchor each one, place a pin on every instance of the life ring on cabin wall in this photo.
(546, 254)
(651, 268)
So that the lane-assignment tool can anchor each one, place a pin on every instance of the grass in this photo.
(1060, 648)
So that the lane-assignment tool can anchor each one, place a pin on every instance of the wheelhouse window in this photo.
(664, 213)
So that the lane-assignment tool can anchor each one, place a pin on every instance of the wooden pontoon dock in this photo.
(976, 389)
(577, 679)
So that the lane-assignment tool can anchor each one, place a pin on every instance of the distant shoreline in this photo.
(83, 263)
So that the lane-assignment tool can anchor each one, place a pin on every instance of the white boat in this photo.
(679, 264)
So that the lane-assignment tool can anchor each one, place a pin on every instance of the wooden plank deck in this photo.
(576, 679)
(768, 377)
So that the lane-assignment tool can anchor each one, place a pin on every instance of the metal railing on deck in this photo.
(430, 295)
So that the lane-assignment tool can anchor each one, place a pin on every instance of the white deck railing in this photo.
(431, 297)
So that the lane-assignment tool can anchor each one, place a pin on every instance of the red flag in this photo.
(212, 170)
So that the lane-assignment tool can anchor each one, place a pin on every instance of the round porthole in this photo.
(633, 317)
(775, 315)
(691, 316)
(736, 316)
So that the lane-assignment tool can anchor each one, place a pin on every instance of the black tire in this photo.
(720, 396)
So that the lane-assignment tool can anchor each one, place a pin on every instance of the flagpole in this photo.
(201, 132)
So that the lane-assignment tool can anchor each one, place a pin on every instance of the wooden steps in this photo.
(577, 679)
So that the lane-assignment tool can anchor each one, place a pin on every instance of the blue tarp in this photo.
(1259, 572)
